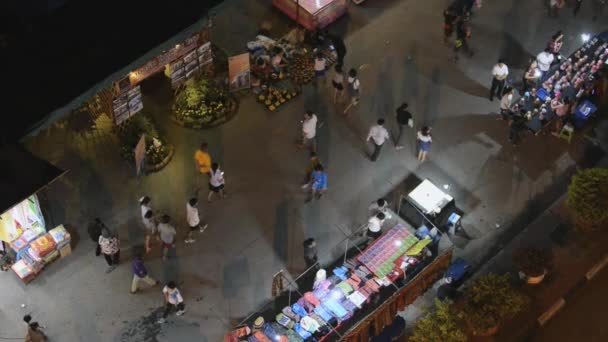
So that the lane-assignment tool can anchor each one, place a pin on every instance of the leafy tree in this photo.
(490, 300)
(588, 199)
(440, 324)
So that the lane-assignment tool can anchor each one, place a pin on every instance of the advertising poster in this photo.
(239, 72)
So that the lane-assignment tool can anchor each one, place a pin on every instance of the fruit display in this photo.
(274, 97)
(201, 102)
(158, 152)
(301, 68)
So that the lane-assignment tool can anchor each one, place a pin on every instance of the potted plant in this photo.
(490, 300)
(588, 199)
(440, 324)
(533, 263)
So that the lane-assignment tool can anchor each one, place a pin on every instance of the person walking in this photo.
(94, 231)
(505, 104)
(500, 71)
(309, 131)
(144, 205)
(173, 299)
(310, 252)
(577, 7)
(555, 6)
(202, 160)
(449, 20)
(338, 83)
(312, 163)
(463, 33)
(150, 229)
(555, 45)
(34, 333)
(378, 135)
(110, 248)
(140, 274)
(424, 142)
(320, 66)
(216, 181)
(354, 89)
(166, 234)
(194, 221)
(338, 44)
(404, 118)
(318, 183)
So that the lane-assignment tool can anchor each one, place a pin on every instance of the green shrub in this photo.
(441, 324)
(588, 199)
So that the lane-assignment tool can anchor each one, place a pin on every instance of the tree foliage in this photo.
(533, 261)
(588, 199)
(441, 324)
(490, 300)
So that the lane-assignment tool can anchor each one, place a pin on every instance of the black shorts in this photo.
(216, 188)
(374, 235)
(193, 228)
(338, 86)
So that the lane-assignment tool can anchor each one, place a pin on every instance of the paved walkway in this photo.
(258, 230)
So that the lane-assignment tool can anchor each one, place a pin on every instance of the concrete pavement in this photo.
(258, 230)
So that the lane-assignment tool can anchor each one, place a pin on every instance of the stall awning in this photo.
(22, 174)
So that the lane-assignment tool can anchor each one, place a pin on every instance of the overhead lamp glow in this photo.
(585, 37)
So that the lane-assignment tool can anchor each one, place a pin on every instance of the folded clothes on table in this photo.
(299, 310)
(335, 308)
(323, 313)
(345, 287)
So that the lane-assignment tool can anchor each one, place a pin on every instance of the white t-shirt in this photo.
(374, 224)
(354, 83)
(309, 127)
(378, 134)
(217, 177)
(500, 71)
(166, 232)
(192, 215)
(544, 60)
(425, 138)
(174, 296)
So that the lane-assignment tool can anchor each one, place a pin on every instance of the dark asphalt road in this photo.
(584, 316)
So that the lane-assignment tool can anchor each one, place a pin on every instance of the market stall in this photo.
(427, 207)
(347, 294)
(26, 246)
(571, 80)
(312, 14)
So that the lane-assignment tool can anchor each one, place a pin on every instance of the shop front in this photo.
(356, 296)
(27, 244)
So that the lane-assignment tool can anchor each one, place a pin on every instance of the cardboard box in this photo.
(65, 251)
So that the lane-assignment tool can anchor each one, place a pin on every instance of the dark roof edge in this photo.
(57, 114)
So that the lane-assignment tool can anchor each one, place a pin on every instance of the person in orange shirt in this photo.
(203, 161)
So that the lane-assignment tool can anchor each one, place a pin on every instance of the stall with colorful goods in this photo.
(362, 288)
(25, 245)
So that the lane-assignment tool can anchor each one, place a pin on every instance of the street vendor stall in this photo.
(312, 14)
(361, 288)
(570, 81)
(427, 207)
(26, 246)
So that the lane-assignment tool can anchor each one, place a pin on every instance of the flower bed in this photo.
(158, 152)
(203, 104)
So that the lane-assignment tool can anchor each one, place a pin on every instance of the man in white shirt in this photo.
(166, 233)
(544, 60)
(378, 134)
(194, 221)
(309, 131)
(499, 75)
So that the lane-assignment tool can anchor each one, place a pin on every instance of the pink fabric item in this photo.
(310, 297)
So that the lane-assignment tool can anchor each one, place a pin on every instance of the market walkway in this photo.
(258, 230)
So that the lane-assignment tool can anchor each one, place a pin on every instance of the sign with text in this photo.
(239, 72)
(158, 63)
